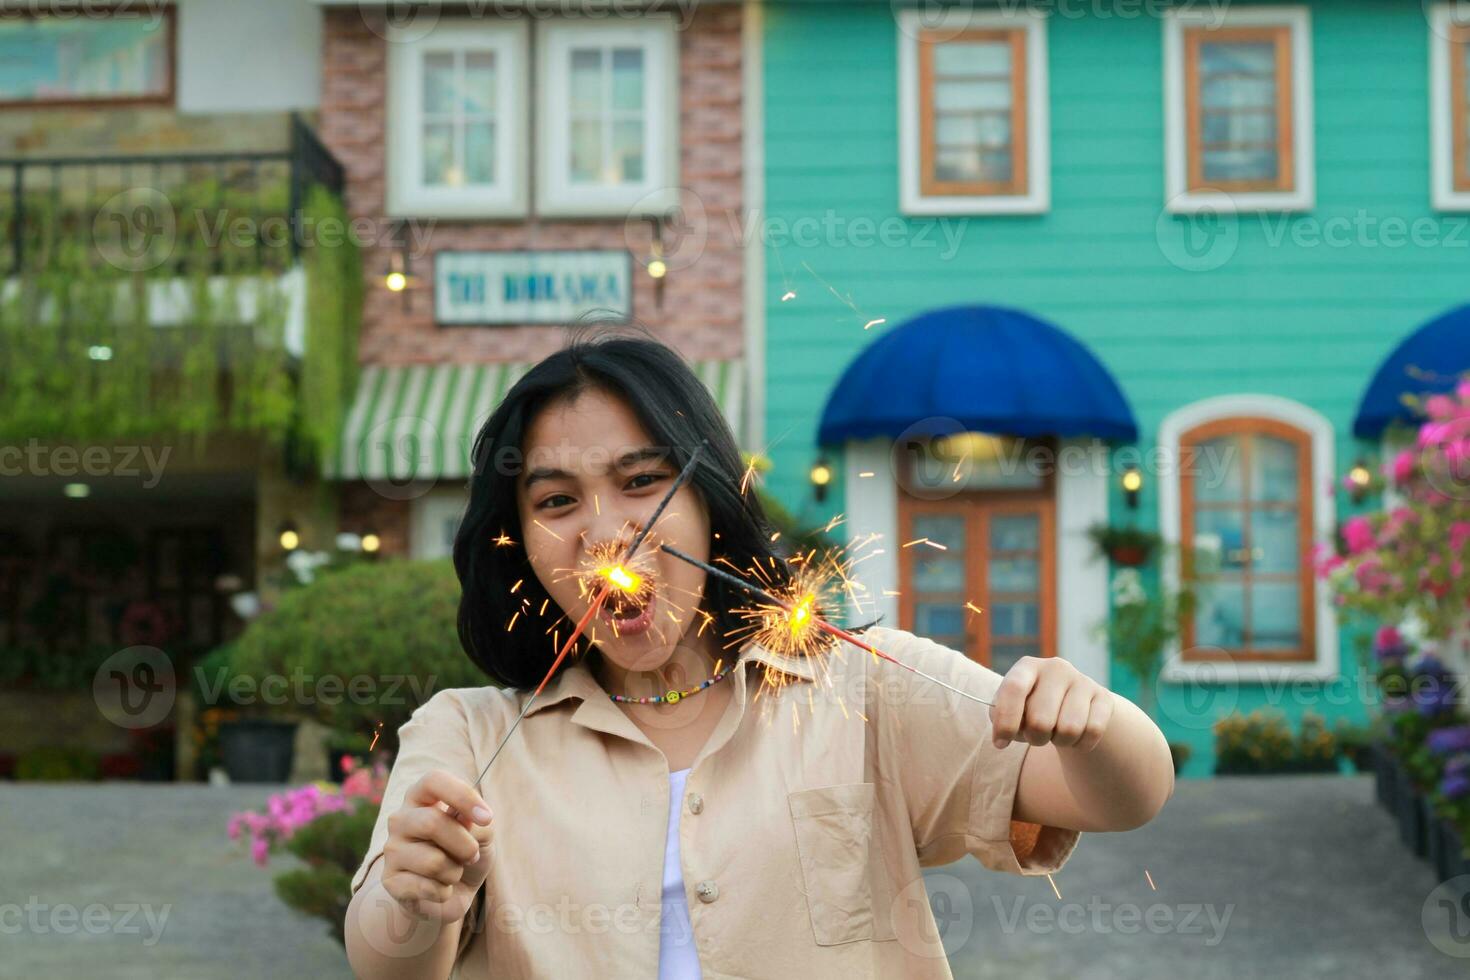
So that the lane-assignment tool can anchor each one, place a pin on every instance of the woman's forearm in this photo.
(1124, 781)
(384, 942)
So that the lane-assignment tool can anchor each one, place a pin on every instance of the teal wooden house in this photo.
(1028, 269)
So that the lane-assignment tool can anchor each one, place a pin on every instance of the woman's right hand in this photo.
(438, 849)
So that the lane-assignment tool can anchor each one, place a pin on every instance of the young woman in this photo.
(682, 801)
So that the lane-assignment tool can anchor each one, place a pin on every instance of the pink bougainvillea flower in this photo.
(1358, 533)
(1403, 467)
(1440, 407)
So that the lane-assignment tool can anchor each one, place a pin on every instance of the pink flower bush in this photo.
(1410, 561)
(287, 812)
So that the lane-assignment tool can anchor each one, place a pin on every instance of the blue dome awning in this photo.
(989, 368)
(1427, 362)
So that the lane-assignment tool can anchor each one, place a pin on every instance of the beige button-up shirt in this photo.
(824, 787)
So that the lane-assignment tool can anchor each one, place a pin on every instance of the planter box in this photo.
(1446, 850)
(1384, 783)
(1410, 809)
(258, 750)
(1411, 827)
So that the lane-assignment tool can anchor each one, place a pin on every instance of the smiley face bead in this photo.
(672, 697)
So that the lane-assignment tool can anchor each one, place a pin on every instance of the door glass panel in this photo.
(936, 570)
(942, 622)
(1015, 532)
(1022, 619)
(1003, 656)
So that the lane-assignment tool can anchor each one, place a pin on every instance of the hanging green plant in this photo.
(185, 339)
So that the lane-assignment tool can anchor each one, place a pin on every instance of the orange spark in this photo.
(547, 529)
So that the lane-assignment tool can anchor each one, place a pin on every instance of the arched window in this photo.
(1246, 502)
(1246, 528)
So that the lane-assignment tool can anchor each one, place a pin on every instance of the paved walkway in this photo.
(1291, 877)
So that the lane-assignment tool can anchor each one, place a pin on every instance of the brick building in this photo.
(528, 167)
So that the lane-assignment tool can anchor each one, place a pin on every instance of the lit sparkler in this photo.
(791, 627)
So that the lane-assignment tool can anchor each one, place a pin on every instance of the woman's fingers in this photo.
(411, 890)
(1076, 708)
(1046, 700)
(439, 786)
(1009, 710)
(431, 824)
(427, 860)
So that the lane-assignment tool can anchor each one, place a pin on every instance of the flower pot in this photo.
(258, 750)
(1132, 555)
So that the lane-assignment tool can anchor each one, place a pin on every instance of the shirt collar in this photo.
(577, 681)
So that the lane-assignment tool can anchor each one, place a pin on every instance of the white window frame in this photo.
(658, 192)
(1443, 19)
(1325, 664)
(407, 196)
(427, 514)
(1037, 199)
(1178, 198)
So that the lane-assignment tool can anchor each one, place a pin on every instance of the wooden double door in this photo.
(995, 553)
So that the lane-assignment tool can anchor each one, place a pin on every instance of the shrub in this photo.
(57, 763)
(332, 846)
(1263, 742)
(383, 633)
(1258, 742)
(326, 826)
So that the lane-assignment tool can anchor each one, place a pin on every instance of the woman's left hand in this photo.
(1046, 699)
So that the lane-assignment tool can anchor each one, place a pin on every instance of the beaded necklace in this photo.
(673, 697)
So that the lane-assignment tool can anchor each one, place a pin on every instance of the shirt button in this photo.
(696, 803)
(707, 891)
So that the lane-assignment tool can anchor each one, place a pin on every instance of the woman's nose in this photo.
(619, 531)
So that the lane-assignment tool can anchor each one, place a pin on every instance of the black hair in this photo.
(678, 413)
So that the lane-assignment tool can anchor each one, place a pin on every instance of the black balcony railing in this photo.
(233, 211)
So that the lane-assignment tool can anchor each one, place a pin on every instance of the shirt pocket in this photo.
(834, 840)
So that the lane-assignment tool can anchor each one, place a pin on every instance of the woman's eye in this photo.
(652, 478)
(551, 501)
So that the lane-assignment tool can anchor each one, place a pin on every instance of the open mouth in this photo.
(629, 612)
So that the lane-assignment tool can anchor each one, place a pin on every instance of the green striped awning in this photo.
(419, 421)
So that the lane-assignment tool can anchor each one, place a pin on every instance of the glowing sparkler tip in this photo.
(621, 577)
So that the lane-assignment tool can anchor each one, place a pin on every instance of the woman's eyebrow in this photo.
(623, 462)
(545, 473)
(639, 455)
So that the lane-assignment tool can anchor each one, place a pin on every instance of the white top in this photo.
(677, 957)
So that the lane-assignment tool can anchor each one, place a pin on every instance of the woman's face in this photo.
(593, 477)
